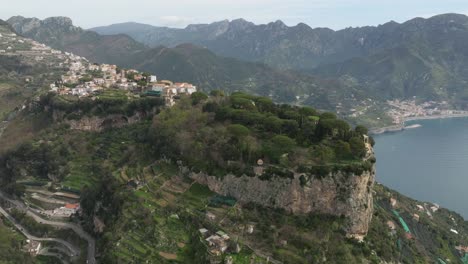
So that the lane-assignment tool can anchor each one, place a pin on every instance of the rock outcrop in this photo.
(339, 194)
(97, 123)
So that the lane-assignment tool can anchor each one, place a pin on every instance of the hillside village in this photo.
(85, 79)
(14, 45)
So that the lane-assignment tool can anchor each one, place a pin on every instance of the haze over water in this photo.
(429, 163)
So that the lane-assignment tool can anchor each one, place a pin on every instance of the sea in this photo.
(427, 163)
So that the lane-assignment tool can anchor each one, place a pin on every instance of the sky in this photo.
(335, 14)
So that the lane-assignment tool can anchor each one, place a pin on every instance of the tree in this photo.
(264, 104)
(361, 130)
(211, 107)
(272, 124)
(282, 144)
(238, 131)
(242, 103)
(358, 148)
(323, 153)
(198, 97)
(307, 111)
(333, 128)
(328, 115)
(307, 133)
(290, 127)
(217, 93)
(142, 82)
(278, 145)
(342, 149)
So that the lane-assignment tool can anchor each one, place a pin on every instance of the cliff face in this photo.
(97, 124)
(337, 194)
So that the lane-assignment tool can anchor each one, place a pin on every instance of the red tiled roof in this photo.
(72, 206)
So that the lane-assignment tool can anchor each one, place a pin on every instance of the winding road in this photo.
(74, 250)
(34, 214)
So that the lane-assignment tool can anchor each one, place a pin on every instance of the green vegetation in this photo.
(141, 207)
(105, 103)
(11, 244)
(36, 229)
(230, 134)
(431, 236)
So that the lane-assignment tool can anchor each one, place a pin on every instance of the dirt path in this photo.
(169, 256)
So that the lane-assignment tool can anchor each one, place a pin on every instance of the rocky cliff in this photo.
(97, 123)
(337, 193)
(340, 194)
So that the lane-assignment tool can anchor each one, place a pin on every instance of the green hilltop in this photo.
(141, 207)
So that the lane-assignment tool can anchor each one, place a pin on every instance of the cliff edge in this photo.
(338, 193)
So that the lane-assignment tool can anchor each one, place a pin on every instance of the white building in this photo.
(33, 247)
(67, 210)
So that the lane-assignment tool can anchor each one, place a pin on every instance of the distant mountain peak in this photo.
(240, 24)
(218, 24)
(302, 27)
(239, 20)
(59, 20)
(279, 23)
(451, 18)
(24, 25)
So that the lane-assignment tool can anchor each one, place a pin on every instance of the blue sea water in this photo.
(429, 163)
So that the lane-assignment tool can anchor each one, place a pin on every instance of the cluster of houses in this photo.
(402, 110)
(170, 90)
(14, 45)
(84, 79)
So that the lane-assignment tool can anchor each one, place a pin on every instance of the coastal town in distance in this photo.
(401, 111)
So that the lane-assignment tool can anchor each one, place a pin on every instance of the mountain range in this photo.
(422, 59)
(188, 62)
(425, 58)
(297, 47)
(60, 33)
(24, 69)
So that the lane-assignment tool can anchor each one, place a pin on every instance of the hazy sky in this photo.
(335, 14)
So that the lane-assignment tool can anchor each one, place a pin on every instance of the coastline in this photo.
(402, 126)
